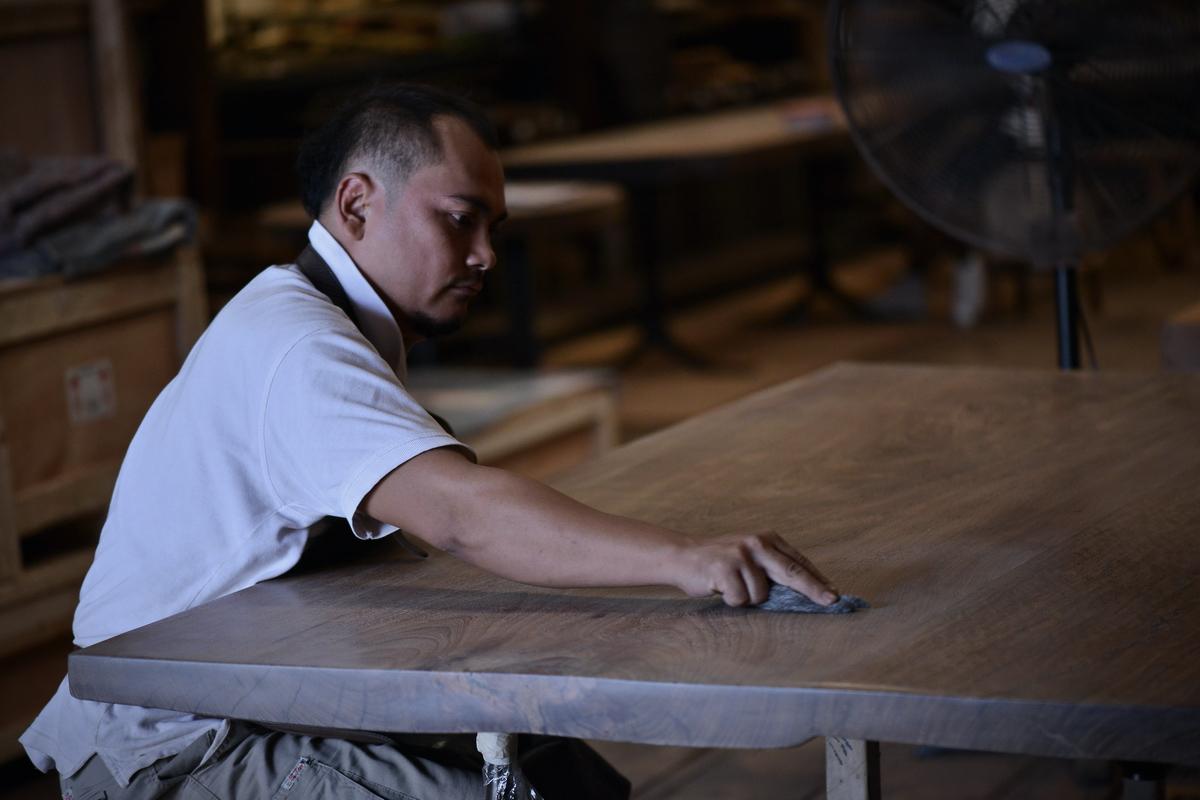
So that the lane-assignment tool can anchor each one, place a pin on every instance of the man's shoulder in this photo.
(277, 288)
(277, 308)
(278, 318)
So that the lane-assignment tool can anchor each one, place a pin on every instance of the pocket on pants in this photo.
(310, 779)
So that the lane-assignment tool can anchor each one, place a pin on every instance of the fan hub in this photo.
(1019, 56)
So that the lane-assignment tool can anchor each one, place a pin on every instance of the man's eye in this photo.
(459, 219)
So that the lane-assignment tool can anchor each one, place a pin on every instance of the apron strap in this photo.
(321, 276)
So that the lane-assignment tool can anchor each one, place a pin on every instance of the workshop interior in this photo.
(707, 202)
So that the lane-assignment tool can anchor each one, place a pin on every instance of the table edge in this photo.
(661, 713)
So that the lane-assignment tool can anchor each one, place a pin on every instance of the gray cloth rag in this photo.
(39, 196)
(783, 598)
(153, 227)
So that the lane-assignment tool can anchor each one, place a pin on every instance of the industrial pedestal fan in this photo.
(1038, 129)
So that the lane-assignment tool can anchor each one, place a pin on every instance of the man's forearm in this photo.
(526, 531)
(529, 532)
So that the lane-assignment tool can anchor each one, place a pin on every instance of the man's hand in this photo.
(526, 531)
(741, 569)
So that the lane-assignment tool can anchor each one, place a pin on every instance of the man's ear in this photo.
(352, 201)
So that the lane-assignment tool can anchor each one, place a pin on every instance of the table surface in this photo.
(725, 134)
(1028, 540)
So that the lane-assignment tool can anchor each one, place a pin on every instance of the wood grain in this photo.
(1027, 539)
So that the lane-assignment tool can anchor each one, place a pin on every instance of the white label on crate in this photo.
(91, 391)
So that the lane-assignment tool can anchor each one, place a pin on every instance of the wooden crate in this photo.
(80, 363)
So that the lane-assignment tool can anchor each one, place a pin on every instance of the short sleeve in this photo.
(336, 421)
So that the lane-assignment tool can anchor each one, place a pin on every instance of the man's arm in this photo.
(524, 530)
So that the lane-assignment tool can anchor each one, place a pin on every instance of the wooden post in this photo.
(10, 553)
(1187, 231)
(192, 299)
(851, 769)
(1181, 340)
(608, 425)
(119, 103)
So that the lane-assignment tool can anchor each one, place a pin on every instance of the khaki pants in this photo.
(255, 762)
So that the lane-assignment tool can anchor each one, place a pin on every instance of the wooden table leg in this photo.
(851, 769)
(1143, 781)
(523, 344)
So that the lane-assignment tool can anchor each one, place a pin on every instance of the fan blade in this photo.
(1038, 165)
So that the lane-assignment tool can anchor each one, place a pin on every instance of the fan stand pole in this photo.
(1066, 295)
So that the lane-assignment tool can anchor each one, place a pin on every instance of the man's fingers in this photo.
(790, 572)
(786, 546)
(757, 584)
(741, 569)
(734, 593)
(787, 549)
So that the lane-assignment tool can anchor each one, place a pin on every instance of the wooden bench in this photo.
(535, 423)
(1181, 340)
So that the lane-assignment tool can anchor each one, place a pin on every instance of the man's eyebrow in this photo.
(479, 204)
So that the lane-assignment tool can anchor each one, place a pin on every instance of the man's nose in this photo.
(483, 256)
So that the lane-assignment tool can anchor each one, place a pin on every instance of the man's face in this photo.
(429, 249)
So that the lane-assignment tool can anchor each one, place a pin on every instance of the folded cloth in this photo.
(783, 598)
(41, 195)
(153, 227)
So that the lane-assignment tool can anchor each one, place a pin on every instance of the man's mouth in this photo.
(469, 288)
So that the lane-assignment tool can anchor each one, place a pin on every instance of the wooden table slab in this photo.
(792, 135)
(1029, 540)
(719, 135)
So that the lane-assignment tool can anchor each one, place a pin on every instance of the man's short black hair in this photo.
(391, 124)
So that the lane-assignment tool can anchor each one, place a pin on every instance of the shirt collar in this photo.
(378, 324)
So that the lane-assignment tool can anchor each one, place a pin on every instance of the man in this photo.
(290, 409)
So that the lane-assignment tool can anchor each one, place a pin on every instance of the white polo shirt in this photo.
(282, 414)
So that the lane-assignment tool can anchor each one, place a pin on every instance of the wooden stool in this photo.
(565, 209)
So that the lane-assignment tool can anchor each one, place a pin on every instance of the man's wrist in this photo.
(680, 564)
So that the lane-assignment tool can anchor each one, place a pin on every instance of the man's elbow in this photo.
(461, 515)
(441, 498)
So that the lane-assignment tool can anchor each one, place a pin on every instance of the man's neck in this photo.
(408, 333)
